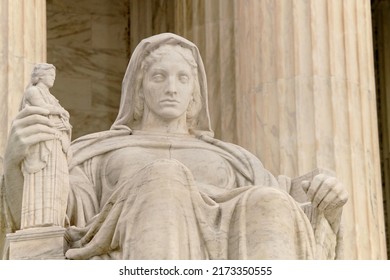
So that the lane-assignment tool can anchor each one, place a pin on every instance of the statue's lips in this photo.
(169, 101)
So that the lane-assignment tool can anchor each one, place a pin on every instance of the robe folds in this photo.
(146, 196)
(45, 170)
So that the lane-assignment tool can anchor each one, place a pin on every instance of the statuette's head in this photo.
(43, 73)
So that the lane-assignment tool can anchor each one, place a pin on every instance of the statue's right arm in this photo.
(30, 127)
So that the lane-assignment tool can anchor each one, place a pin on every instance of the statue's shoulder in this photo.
(32, 92)
(234, 149)
(94, 144)
(99, 136)
(247, 163)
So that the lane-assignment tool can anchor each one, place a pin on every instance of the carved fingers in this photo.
(30, 127)
(83, 253)
(325, 192)
(32, 110)
(97, 244)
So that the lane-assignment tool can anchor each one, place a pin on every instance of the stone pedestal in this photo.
(38, 244)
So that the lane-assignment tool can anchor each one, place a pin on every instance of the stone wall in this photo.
(88, 42)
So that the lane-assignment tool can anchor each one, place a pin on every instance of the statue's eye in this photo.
(158, 77)
(184, 78)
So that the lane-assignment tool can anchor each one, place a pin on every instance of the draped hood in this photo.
(125, 118)
(93, 144)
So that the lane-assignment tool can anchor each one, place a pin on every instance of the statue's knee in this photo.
(268, 199)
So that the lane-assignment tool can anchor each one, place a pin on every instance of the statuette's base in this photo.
(38, 243)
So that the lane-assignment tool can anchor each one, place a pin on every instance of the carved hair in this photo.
(39, 71)
(195, 104)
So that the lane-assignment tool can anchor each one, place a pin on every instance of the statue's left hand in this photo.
(328, 195)
(325, 192)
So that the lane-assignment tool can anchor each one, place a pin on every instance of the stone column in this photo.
(211, 26)
(293, 82)
(22, 44)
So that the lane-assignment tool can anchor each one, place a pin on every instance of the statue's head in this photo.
(168, 68)
(161, 49)
(44, 73)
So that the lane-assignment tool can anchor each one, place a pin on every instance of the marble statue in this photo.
(45, 167)
(158, 185)
(44, 170)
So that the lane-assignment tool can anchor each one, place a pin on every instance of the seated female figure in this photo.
(159, 186)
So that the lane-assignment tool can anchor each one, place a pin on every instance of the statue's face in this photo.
(48, 78)
(167, 86)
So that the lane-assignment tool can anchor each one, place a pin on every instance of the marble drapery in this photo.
(108, 216)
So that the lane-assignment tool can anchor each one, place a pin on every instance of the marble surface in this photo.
(89, 44)
(47, 243)
(45, 167)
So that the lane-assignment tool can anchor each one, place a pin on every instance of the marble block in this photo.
(38, 243)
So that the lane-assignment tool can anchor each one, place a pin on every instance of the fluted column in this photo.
(22, 44)
(293, 82)
(306, 93)
(210, 25)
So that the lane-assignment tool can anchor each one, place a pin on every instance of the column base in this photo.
(44, 243)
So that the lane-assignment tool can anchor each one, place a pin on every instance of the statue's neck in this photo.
(153, 123)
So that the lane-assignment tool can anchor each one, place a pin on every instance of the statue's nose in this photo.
(171, 87)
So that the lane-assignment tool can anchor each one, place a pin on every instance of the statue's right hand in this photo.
(30, 127)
